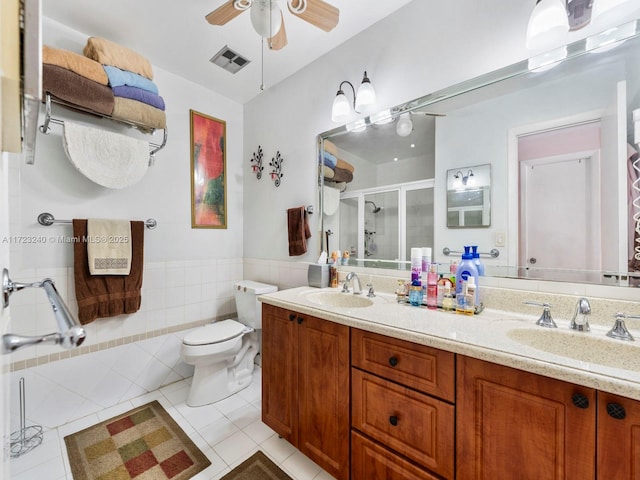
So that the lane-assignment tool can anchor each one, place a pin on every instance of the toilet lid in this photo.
(215, 333)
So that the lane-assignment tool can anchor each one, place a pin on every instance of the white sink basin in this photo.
(339, 299)
(584, 347)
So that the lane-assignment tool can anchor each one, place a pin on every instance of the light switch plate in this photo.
(499, 239)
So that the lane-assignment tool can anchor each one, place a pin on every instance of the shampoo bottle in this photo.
(477, 261)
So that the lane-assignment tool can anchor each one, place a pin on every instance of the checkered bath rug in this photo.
(143, 443)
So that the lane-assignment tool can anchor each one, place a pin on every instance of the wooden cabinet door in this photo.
(371, 461)
(280, 371)
(323, 394)
(514, 424)
(618, 437)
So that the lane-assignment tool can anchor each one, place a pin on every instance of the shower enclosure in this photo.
(383, 224)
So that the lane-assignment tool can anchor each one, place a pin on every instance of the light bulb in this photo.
(266, 17)
(405, 125)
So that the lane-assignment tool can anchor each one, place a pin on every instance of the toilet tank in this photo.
(247, 304)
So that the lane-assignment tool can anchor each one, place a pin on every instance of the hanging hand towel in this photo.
(109, 246)
(101, 296)
(298, 229)
(106, 158)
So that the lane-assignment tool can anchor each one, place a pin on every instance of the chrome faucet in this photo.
(580, 320)
(357, 288)
(619, 330)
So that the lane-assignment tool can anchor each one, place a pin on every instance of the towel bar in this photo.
(47, 220)
(49, 119)
(494, 253)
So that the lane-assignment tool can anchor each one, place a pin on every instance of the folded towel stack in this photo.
(334, 168)
(77, 80)
(131, 78)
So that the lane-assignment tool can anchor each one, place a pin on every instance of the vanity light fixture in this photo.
(612, 12)
(359, 125)
(363, 101)
(381, 118)
(548, 23)
(276, 164)
(464, 180)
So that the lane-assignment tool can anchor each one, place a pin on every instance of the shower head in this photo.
(376, 209)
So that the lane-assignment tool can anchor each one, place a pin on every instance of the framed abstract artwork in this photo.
(208, 171)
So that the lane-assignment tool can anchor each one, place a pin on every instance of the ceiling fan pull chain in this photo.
(300, 8)
(242, 4)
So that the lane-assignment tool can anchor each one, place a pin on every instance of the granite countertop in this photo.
(589, 359)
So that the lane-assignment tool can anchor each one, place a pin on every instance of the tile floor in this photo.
(227, 432)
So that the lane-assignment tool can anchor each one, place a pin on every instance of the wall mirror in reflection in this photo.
(469, 197)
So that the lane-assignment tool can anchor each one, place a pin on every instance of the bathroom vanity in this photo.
(428, 395)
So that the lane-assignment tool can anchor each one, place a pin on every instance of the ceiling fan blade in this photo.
(279, 40)
(223, 14)
(320, 14)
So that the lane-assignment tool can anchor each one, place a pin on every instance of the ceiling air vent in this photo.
(229, 60)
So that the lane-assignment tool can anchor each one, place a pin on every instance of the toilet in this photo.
(224, 352)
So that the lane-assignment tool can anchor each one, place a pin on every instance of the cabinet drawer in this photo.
(416, 425)
(371, 461)
(423, 368)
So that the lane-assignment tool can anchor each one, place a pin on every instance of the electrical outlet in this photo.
(499, 239)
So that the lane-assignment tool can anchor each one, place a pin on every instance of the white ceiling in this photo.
(175, 36)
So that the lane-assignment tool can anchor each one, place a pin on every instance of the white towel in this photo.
(109, 246)
(330, 199)
(109, 159)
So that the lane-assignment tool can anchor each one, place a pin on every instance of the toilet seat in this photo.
(217, 332)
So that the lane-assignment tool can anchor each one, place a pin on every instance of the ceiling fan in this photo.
(267, 18)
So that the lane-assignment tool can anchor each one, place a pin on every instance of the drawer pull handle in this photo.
(393, 361)
(616, 411)
(580, 400)
(300, 320)
(292, 317)
(393, 420)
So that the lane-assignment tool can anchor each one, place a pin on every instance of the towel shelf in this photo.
(49, 119)
(47, 220)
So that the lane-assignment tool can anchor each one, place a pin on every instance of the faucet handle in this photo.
(545, 319)
(371, 292)
(619, 330)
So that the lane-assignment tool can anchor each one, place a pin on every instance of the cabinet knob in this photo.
(616, 411)
(393, 420)
(393, 361)
(300, 320)
(292, 317)
(580, 400)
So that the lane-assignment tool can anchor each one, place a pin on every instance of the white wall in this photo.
(189, 273)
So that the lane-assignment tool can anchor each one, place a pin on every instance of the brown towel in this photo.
(76, 63)
(298, 228)
(76, 89)
(116, 55)
(139, 112)
(102, 296)
(342, 175)
(344, 165)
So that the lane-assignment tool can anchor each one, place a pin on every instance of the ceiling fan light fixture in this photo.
(366, 96)
(548, 24)
(405, 125)
(266, 17)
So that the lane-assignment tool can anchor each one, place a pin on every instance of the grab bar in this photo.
(46, 219)
(494, 253)
(70, 333)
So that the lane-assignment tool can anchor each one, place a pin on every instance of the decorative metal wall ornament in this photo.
(276, 164)
(256, 163)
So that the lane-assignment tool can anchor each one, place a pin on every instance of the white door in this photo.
(4, 313)
(559, 226)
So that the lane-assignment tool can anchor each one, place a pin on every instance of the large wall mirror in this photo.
(558, 147)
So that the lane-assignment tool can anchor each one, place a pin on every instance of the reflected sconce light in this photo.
(610, 12)
(276, 165)
(363, 101)
(405, 125)
(256, 163)
(459, 179)
(547, 60)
